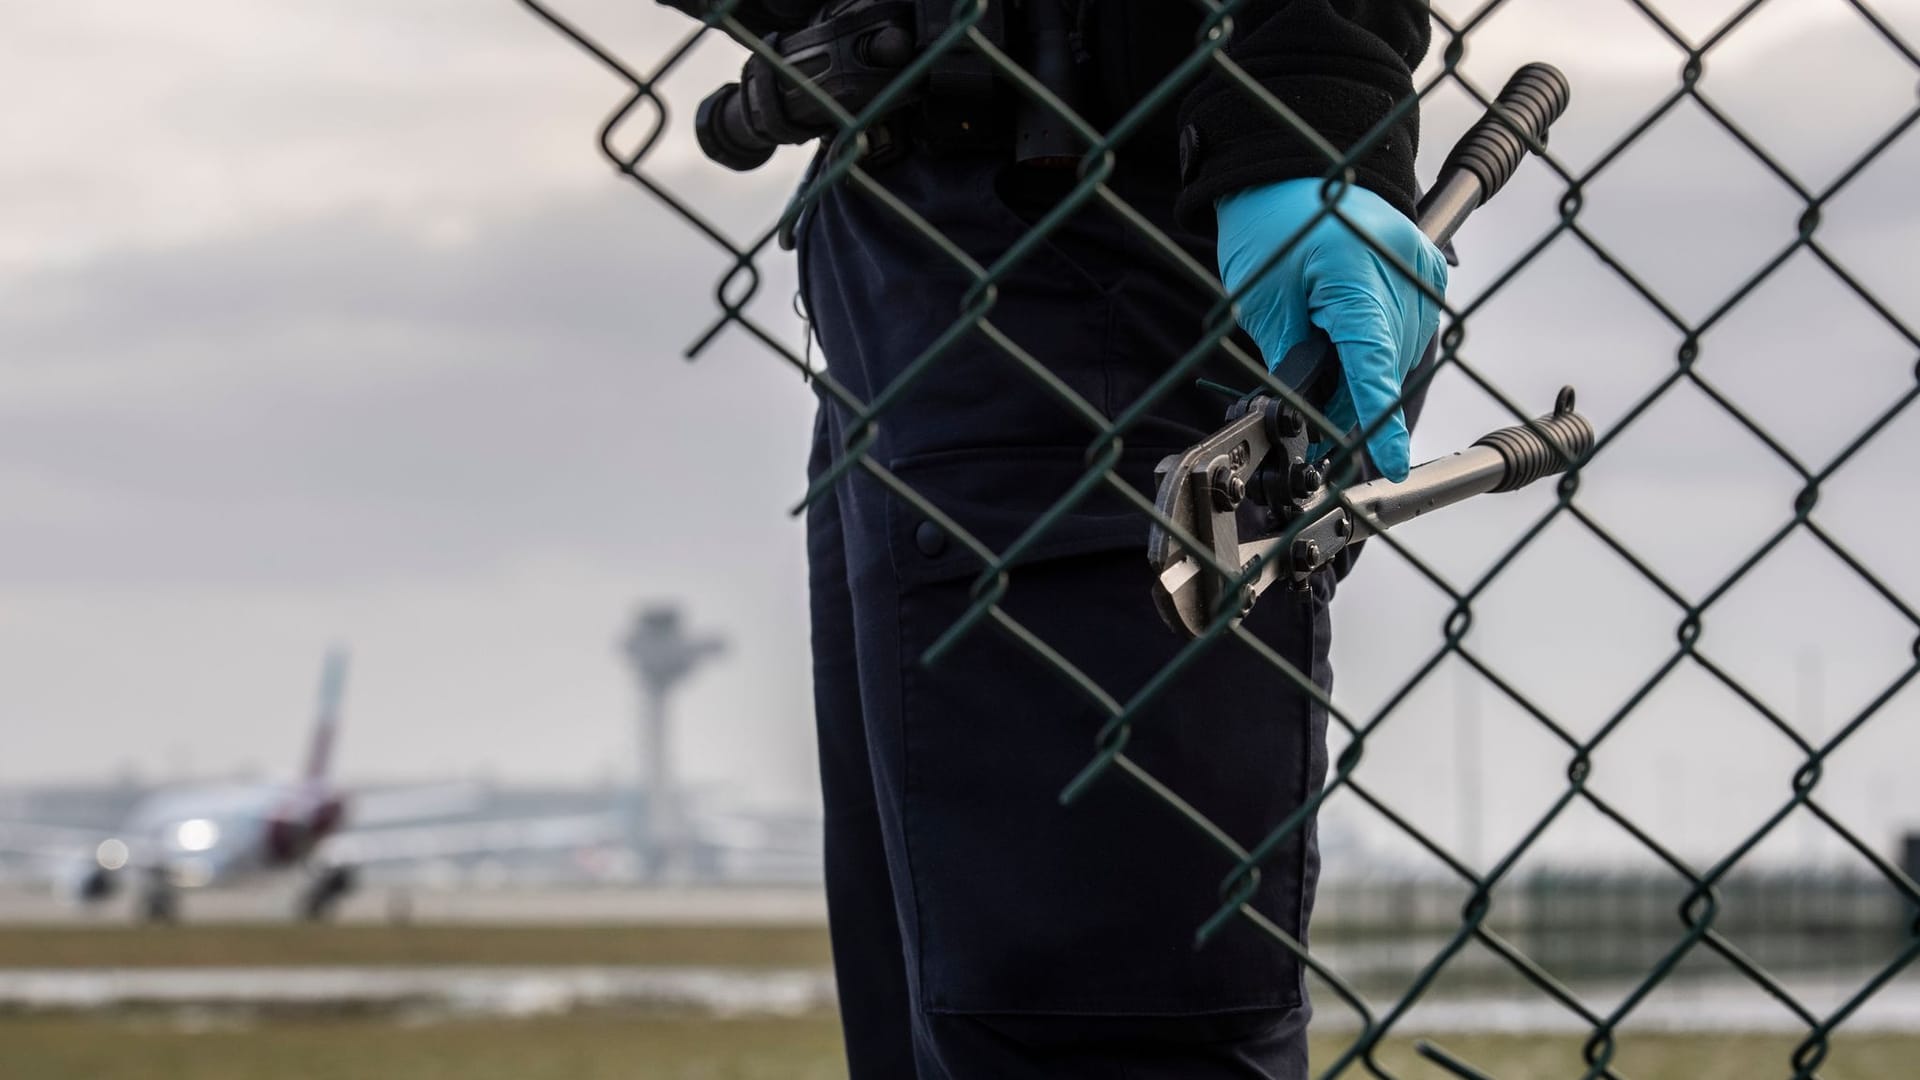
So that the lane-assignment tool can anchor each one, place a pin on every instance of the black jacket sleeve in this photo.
(762, 17)
(1342, 65)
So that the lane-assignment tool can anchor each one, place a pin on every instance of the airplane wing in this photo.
(381, 807)
(49, 841)
(64, 850)
(359, 847)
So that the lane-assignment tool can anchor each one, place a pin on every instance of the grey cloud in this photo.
(539, 400)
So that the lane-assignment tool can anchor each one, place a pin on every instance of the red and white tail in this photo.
(326, 722)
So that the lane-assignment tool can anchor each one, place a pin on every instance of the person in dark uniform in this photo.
(979, 928)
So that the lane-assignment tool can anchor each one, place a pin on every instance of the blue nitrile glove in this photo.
(1379, 321)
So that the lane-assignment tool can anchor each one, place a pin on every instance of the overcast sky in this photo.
(327, 322)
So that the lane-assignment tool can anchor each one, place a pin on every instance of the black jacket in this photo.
(1341, 65)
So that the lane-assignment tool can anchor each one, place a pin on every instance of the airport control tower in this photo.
(662, 655)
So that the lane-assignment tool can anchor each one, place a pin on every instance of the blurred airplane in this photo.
(199, 836)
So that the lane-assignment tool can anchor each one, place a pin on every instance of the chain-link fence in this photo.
(855, 135)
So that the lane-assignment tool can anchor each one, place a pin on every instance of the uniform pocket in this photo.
(997, 494)
(1027, 906)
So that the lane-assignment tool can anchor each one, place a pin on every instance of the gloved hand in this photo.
(1379, 321)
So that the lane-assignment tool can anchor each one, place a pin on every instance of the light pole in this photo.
(1472, 774)
(662, 656)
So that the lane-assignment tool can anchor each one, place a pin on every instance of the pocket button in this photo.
(931, 539)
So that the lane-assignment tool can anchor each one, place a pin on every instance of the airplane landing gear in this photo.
(159, 903)
(330, 885)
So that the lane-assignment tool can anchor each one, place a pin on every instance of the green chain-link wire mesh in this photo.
(1702, 906)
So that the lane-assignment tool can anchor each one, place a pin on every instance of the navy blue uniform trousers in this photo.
(981, 929)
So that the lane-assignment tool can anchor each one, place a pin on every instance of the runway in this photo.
(429, 993)
(424, 992)
(727, 951)
(733, 905)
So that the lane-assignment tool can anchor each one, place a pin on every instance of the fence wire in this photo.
(1701, 913)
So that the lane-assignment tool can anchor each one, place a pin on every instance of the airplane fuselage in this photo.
(195, 837)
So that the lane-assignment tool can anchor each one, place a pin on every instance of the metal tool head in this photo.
(1230, 495)
(1248, 508)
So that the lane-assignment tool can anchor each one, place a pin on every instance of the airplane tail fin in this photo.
(326, 721)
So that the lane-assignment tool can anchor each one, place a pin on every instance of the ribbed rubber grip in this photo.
(1535, 96)
(1542, 448)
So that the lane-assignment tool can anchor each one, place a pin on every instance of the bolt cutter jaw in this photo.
(1246, 508)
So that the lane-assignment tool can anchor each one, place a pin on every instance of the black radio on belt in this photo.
(852, 50)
